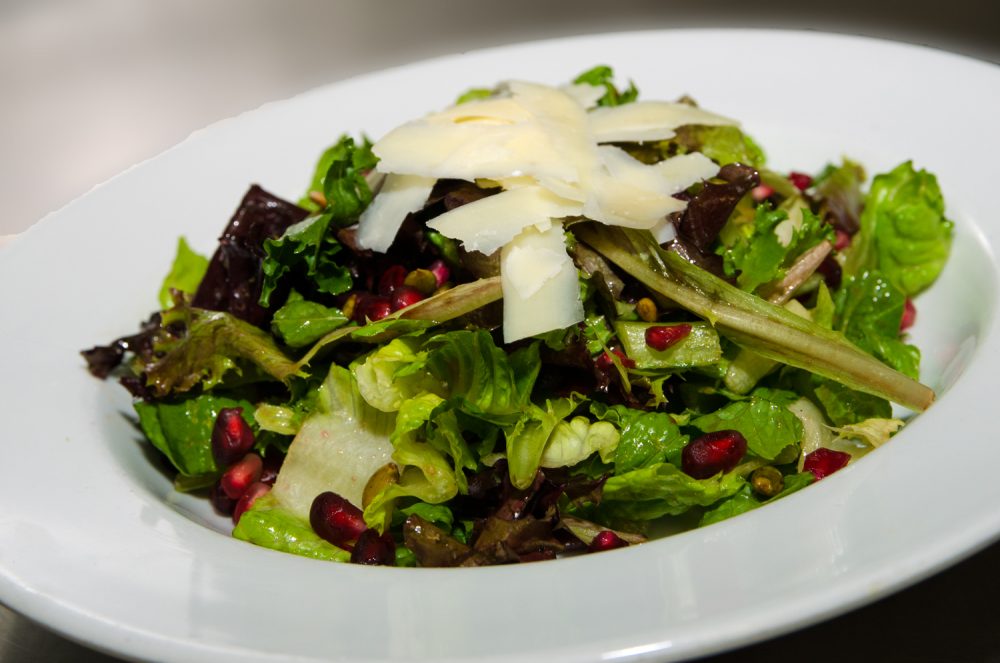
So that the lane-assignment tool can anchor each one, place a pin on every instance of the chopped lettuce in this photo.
(213, 344)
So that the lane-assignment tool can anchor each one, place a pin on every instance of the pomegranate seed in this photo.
(405, 296)
(335, 519)
(605, 363)
(824, 462)
(222, 503)
(761, 192)
(272, 465)
(909, 315)
(606, 540)
(239, 476)
(842, 241)
(231, 436)
(374, 308)
(712, 453)
(800, 180)
(391, 279)
(249, 497)
(374, 549)
(440, 271)
(662, 337)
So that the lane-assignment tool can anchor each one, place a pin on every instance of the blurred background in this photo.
(90, 87)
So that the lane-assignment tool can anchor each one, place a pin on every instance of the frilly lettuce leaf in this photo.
(213, 344)
(759, 255)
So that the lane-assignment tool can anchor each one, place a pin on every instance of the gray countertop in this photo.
(89, 87)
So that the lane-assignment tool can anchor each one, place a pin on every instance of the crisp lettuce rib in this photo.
(750, 321)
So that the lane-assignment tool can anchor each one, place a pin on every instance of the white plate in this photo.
(94, 543)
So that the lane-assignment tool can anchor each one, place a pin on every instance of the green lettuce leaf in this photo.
(182, 429)
(488, 383)
(747, 320)
(767, 425)
(721, 144)
(185, 273)
(268, 525)
(904, 233)
(575, 440)
(746, 500)
(300, 322)
(760, 256)
(647, 438)
(339, 175)
(661, 490)
(308, 247)
(603, 76)
(394, 373)
(846, 406)
(527, 440)
(337, 447)
(868, 312)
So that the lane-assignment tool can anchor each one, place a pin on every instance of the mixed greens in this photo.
(352, 404)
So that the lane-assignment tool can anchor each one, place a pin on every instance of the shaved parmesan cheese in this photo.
(542, 146)
(585, 94)
(647, 120)
(682, 171)
(664, 231)
(399, 195)
(540, 287)
(618, 203)
(538, 131)
(488, 223)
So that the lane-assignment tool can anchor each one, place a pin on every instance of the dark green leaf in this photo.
(182, 429)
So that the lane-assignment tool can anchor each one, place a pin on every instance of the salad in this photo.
(543, 321)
